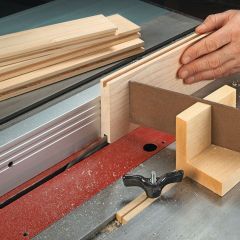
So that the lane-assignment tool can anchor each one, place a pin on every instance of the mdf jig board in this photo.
(19, 43)
(159, 108)
(158, 69)
(124, 28)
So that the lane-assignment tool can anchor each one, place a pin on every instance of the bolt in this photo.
(153, 177)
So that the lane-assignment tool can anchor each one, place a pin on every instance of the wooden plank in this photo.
(54, 35)
(195, 123)
(158, 70)
(28, 78)
(147, 59)
(225, 95)
(27, 66)
(214, 167)
(69, 74)
(153, 110)
(124, 28)
(193, 133)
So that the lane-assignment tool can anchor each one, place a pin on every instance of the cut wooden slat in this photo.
(157, 70)
(65, 75)
(124, 28)
(27, 66)
(69, 65)
(51, 36)
(214, 167)
(130, 206)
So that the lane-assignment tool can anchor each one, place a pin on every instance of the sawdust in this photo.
(111, 227)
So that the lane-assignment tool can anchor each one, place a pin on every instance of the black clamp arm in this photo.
(153, 186)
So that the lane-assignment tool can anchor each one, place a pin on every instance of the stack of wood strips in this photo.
(35, 58)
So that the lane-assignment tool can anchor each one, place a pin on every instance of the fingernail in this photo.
(186, 60)
(189, 80)
(184, 74)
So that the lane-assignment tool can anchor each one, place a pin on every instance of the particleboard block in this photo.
(17, 44)
(41, 74)
(124, 28)
(136, 206)
(158, 69)
(65, 75)
(214, 167)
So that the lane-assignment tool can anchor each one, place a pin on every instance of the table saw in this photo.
(68, 185)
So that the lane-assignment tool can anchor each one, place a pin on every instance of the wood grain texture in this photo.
(66, 66)
(225, 95)
(27, 66)
(130, 206)
(65, 75)
(124, 28)
(157, 70)
(48, 37)
(214, 167)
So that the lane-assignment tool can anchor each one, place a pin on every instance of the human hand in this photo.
(218, 54)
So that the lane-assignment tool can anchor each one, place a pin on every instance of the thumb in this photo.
(212, 22)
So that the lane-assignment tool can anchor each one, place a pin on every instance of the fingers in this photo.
(207, 62)
(221, 71)
(212, 22)
(207, 45)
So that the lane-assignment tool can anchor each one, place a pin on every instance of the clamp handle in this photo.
(153, 186)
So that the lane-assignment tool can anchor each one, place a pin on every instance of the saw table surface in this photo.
(188, 210)
(152, 19)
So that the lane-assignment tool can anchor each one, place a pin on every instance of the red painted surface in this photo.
(51, 201)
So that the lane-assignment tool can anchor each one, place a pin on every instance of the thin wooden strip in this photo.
(147, 59)
(41, 62)
(39, 53)
(57, 34)
(124, 28)
(130, 206)
(142, 206)
(65, 75)
(69, 65)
